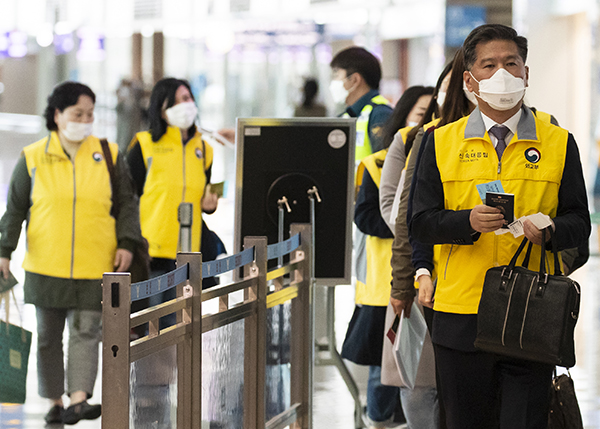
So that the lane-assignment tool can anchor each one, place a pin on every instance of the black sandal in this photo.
(81, 411)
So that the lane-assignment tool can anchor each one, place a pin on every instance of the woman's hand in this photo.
(402, 304)
(210, 201)
(4, 267)
(123, 260)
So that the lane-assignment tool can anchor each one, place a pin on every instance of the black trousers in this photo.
(484, 391)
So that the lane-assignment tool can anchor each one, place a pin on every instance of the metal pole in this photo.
(312, 194)
(116, 308)
(280, 203)
(193, 355)
(335, 357)
(184, 215)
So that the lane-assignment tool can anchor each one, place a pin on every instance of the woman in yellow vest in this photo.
(62, 187)
(170, 164)
(364, 339)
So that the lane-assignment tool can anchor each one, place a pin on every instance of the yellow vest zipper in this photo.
(73, 226)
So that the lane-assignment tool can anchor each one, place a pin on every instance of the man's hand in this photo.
(425, 291)
(534, 234)
(123, 260)
(4, 267)
(485, 218)
(400, 305)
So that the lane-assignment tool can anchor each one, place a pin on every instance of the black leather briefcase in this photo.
(528, 314)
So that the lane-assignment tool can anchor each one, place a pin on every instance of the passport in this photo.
(506, 204)
(391, 333)
(217, 188)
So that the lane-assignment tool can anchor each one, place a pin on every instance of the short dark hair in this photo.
(359, 60)
(487, 33)
(164, 90)
(64, 95)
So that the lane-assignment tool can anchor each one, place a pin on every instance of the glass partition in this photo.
(153, 394)
(223, 376)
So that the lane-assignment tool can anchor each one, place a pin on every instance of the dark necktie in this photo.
(500, 132)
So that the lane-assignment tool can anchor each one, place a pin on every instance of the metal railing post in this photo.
(184, 216)
(191, 373)
(116, 297)
(280, 224)
(302, 353)
(255, 333)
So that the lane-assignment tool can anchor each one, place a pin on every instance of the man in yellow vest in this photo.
(356, 74)
(536, 161)
(356, 77)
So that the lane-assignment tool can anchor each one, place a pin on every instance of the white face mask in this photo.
(77, 131)
(182, 115)
(412, 124)
(441, 97)
(502, 91)
(470, 96)
(338, 92)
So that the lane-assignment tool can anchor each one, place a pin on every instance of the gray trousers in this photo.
(82, 358)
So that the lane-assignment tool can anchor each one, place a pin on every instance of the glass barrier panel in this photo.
(223, 376)
(153, 394)
(277, 386)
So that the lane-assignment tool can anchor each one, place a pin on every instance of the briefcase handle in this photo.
(542, 272)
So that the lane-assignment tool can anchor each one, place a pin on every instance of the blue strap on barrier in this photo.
(220, 266)
(276, 250)
(162, 283)
(159, 284)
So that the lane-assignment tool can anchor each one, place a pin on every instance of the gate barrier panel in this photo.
(291, 282)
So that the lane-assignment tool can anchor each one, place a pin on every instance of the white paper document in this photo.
(409, 345)
(540, 220)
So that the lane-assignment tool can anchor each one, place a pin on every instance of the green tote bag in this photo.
(15, 343)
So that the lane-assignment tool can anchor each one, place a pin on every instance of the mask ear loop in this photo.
(348, 77)
(473, 92)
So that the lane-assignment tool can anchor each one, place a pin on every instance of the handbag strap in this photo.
(6, 298)
(557, 270)
(542, 272)
(543, 257)
(113, 179)
(527, 255)
(513, 261)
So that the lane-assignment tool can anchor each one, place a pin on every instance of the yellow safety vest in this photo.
(376, 290)
(363, 142)
(70, 233)
(175, 173)
(546, 117)
(532, 168)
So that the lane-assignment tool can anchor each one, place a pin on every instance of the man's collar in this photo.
(356, 108)
(511, 123)
(526, 128)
